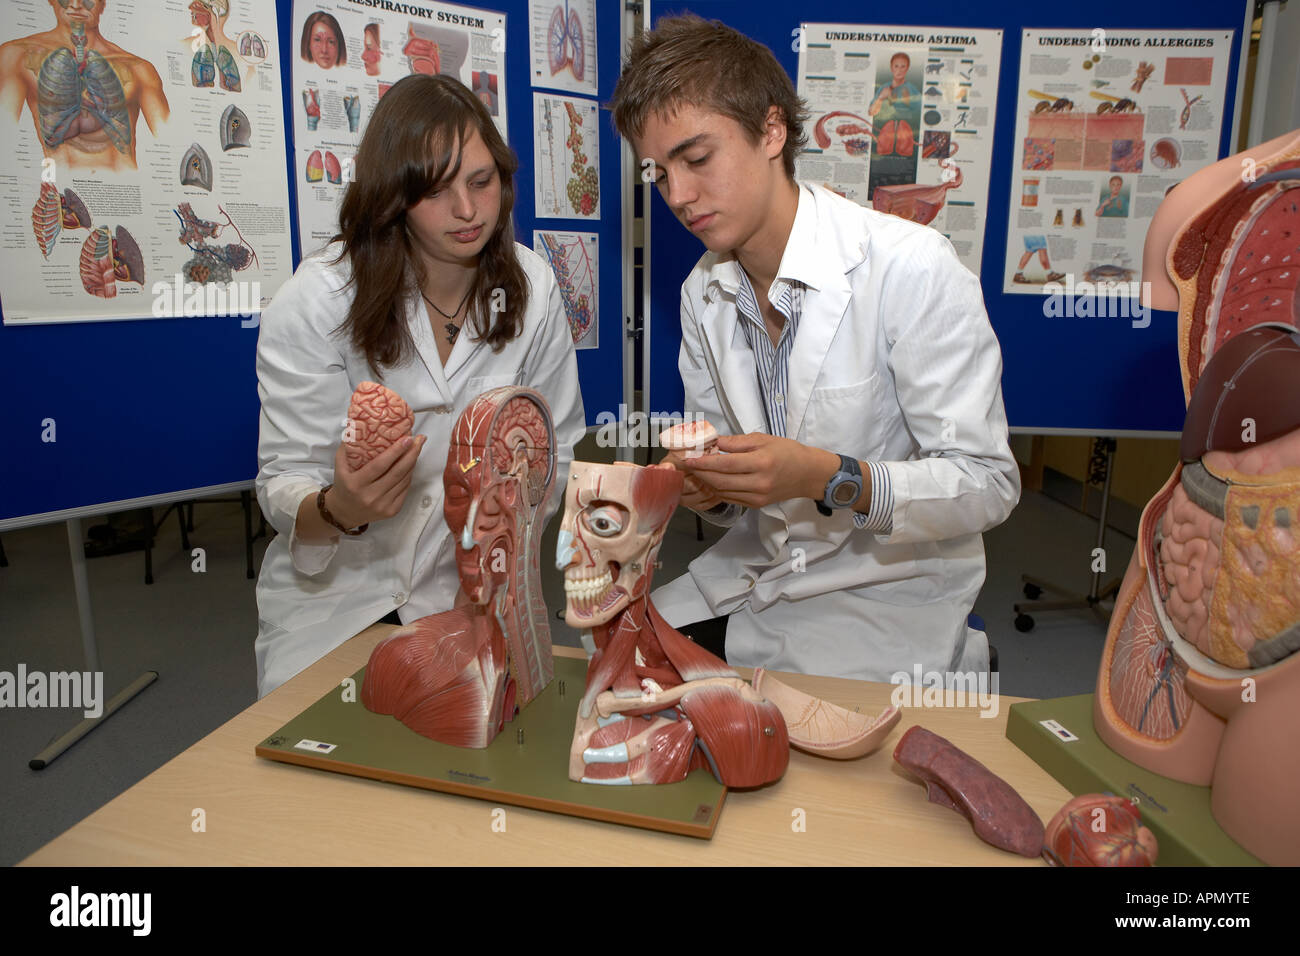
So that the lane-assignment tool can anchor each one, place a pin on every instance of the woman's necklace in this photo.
(451, 328)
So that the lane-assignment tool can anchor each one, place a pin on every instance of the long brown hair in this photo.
(411, 146)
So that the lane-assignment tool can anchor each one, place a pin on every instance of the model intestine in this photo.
(459, 676)
(1200, 675)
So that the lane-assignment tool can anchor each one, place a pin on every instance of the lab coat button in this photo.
(400, 597)
(426, 501)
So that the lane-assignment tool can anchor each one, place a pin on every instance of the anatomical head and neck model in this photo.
(656, 705)
(458, 676)
(1200, 675)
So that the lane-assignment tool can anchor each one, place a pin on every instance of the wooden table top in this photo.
(260, 812)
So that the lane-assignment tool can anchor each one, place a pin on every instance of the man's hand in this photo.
(760, 469)
(696, 494)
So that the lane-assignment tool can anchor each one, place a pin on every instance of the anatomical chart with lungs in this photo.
(143, 170)
(902, 121)
(573, 258)
(563, 44)
(1107, 122)
(347, 54)
(566, 157)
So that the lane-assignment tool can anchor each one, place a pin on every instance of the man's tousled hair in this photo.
(686, 60)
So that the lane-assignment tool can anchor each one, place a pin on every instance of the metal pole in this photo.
(1263, 70)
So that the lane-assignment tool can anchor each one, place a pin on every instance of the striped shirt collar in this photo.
(799, 262)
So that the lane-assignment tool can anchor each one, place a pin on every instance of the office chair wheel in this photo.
(1033, 592)
(1024, 623)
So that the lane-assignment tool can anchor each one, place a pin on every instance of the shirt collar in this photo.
(798, 261)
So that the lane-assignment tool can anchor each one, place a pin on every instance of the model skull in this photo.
(614, 521)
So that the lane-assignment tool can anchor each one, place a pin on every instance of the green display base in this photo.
(1177, 813)
(532, 774)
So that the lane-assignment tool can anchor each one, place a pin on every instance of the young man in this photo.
(846, 359)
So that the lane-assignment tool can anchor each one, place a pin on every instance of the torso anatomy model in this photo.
(458, 676)
(1200, 676)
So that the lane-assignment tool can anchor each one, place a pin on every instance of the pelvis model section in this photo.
(457, 677)
(1200, 676)
(656, 705)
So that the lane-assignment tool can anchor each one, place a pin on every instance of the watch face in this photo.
(845, 493)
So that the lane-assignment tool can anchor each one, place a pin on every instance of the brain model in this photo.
(377, 417)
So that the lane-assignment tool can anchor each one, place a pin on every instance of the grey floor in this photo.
(196, 630)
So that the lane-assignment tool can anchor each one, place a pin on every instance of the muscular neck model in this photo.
(84, 93)
(459, 676)
(656, 706)
(1200, 675)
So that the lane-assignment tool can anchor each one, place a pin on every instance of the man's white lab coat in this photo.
(895, 361)
(310, 597)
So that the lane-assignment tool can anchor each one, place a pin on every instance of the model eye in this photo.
(699, 162)
(605, 522)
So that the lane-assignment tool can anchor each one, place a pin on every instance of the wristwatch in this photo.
(844, 488)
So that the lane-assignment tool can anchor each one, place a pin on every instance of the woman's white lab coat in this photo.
(310, 597)
(894, 361)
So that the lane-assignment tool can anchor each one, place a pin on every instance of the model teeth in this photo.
(585, 593)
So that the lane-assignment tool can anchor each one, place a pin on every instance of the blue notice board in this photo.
(164, 406)
(1095, 376)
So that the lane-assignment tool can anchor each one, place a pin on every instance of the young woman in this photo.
(424, 290)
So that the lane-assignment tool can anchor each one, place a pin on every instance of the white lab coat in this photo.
(895, 361)
(311, 598)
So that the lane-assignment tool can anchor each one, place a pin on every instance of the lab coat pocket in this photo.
(485, 383)
(843, 419)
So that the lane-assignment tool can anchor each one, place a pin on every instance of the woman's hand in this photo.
(377, 489)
